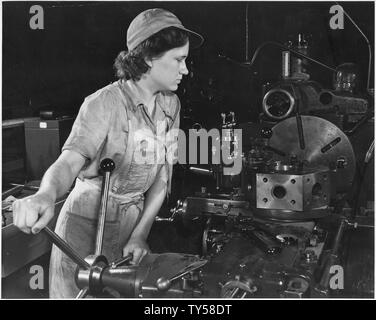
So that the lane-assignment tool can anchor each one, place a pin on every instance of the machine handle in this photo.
(107, 166)
(83, 293)
(323, 285)
(122, 261)
(300, 131)
(66, 248)
(164, 283)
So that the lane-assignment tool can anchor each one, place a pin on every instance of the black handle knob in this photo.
(266, 133)
(107, 165)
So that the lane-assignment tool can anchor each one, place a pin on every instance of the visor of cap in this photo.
(152, 21)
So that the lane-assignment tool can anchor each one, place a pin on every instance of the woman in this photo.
(128, 122)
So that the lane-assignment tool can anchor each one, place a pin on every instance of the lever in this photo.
(122, 261)
(164, 284)
(299, 125)
(107, 166)
(66, 248)
(207, 172)
(330, 145)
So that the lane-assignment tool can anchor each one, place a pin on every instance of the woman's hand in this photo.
(33, 213)
(137, 247)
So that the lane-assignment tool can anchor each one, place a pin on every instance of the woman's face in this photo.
(167, 71)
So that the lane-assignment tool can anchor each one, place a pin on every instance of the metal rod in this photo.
(368, 45)
(234, 292)
(102, 214)
(122, 260)
(299, 125)
(325, 278)
(66, 248)
(11, 192)
(24, 186)
(193, 266)
(369, 152)
(246, 33)
(297, 53)
(201, 171)
(107, 166)
(83, 293)
(339, 235)
(330, 145)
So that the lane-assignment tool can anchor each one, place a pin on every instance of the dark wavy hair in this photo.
(132, 65)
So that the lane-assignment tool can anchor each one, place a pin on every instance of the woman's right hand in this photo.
(33, 213)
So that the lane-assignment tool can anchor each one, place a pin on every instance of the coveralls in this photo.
(112, 123)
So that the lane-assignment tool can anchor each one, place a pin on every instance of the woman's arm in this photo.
(33, 213)
(153, 202)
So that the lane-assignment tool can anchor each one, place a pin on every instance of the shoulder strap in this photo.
(128, 155)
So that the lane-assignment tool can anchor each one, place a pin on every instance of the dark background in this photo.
(55, 68)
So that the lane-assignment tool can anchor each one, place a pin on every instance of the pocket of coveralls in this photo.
(81, 233)
(143, 162)
(138, 177)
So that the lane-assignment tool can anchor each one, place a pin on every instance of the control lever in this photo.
(107, 166)
(90, 271)
(66, 248)
(164, 284)
(322, 288)
(299, 125)
(122, 261)
(25, 187)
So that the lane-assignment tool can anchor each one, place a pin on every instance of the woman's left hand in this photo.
(138, 248)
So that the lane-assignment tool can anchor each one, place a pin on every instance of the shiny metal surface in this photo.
(325, 145)
(65, 247)
(197, 206)
(293, 190)
(278, 103)
(290, 215)
(89, 279)
(107, 166)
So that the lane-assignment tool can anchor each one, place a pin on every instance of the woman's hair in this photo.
(132, 65)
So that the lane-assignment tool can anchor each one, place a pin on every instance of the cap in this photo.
(150, 22)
